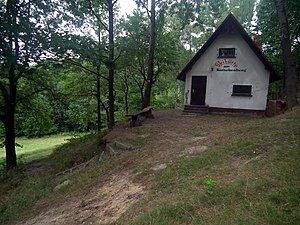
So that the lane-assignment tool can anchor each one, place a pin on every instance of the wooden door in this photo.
(198, 90)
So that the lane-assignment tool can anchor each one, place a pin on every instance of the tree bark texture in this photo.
(126, 91)
(289, 65)
(10, 137)
(111, 66)
(150, 65)
(10, 94)
(9, 122)
(98, 93)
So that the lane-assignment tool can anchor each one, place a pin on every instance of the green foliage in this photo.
(82, 120)
(244, 11)
(36, 121)
(268, 27)
(66, 98)
(170, 57)
(210, 185)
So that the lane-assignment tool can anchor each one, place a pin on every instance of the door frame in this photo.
(191, 87)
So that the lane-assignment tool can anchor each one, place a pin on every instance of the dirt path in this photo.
(103, 205)
(172, 135)
(158, 142)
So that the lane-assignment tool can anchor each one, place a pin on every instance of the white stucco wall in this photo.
(220, 83)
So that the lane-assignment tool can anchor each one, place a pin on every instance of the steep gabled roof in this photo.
(232, 21)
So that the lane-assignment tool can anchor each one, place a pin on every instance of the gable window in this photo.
(242, 90)
(226, 52)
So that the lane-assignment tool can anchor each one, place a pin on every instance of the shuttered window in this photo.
(226, 52)
(242, 90)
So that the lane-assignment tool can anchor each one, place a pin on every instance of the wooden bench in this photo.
(136, 119)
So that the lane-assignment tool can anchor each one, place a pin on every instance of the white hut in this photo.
(228, 74)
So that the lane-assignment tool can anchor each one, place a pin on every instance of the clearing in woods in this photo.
(36, 148)
(205, 169)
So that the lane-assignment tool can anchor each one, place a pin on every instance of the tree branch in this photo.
(119, 55)
(145, 7)
(32, 93)
(103, 105)
(85, 68)
(142, 69)
(114, 2)
(97, 16)
(157, 72)
(139, 84)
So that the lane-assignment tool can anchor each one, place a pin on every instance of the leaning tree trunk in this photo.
(150, 65)
(111, 66)
(289, 65)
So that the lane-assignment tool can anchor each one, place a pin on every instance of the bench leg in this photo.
(149, 115)
(135, 121)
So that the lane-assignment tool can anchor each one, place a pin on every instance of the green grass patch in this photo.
(36, 148)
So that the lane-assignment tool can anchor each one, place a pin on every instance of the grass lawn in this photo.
(36, 148)
(248, 173)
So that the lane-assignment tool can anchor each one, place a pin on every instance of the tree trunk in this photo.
(142, 96)
(107, 113)
(98, 93)
(289, 65)
(150, 65)
(10, 94)
(10, 147)
(126, 102)
(111, 66)
(9, 122)
(126, 93)
(98, 87)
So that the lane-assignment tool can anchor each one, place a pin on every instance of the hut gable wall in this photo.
(222, 73)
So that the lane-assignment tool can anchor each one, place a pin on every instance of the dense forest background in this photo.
(67, 55)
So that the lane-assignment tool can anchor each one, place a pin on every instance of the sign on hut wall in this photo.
(228, 65)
